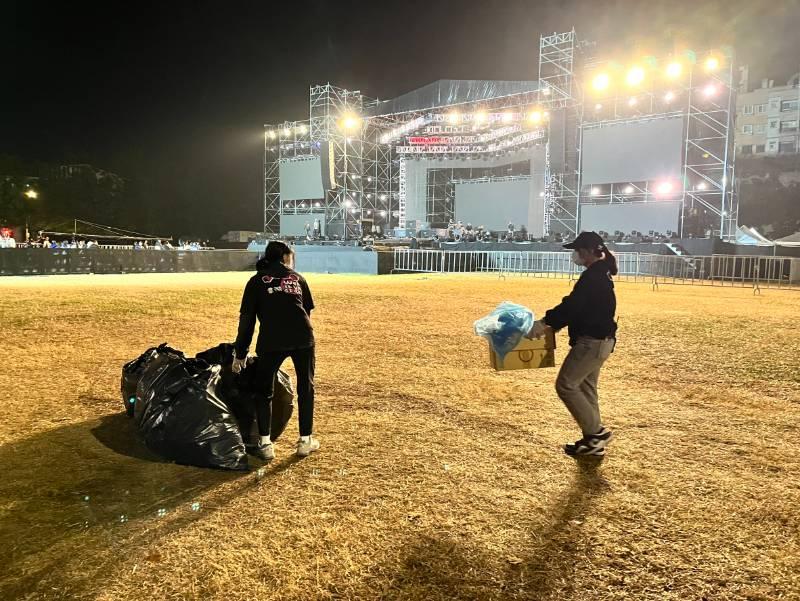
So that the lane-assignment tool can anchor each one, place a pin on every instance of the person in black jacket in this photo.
(279, 297)
(588, 312)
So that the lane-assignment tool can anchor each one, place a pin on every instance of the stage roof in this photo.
(450, 91)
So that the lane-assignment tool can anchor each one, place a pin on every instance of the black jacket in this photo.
(589, 309)
(281, 300)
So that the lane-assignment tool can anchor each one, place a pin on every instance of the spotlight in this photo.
(480, 117)
(669, 96)
(546, 115)
(535, 117)
(595, 191)
(541, 194)
(598, 107)
(507, 117)
(710, 90)
(453, 117)
(287, 132)
(382, 197)
(701, 186)
(32, 194)
(383, 213)
(546, 91)
(674, 70)
(664, 188)
(316, 204)
(302, 129)
(271, 134)
(635, 76)
(349, 122)
(601, 81)
(632, 101)
(369, 179)
(348, 203)
(712, 63)
(369, 212)
(302, 205)
(628, 189)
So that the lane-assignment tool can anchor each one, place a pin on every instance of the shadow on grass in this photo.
(77, 492)
(437, 568)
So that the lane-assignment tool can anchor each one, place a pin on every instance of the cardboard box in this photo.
(528, 354)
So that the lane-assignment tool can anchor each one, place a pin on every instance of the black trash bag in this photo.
(132, 371)
(240, 392)
(180, 417)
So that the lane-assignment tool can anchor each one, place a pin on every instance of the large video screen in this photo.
(633, 152)
(496, 204)
(659, 216)
(301, 180)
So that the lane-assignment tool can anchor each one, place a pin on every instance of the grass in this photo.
(437, 479)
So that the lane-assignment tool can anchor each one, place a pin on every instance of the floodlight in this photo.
(601, 81)
(31, 194)
(453, 117)
(669, 96)
(674, 70)
(507, 117)
(535, 117)
(710, 90)
(712, 63)
(595, 191)
(635, 76)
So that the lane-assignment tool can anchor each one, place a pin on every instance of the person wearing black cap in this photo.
(588, 313)
(279, 297)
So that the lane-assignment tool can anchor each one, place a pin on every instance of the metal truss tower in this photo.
(557, 92)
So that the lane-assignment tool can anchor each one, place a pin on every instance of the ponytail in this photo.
(275, 251)
(610, 260)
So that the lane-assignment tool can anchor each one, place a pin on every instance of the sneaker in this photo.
(304, 449)
(594, 445)
(262, 451)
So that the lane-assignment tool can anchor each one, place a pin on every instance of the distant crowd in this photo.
(42, 241)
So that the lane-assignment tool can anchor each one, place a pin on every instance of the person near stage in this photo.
(588, 313)
(280, 299)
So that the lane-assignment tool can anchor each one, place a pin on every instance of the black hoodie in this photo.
(281, 300)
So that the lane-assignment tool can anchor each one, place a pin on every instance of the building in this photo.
(768, 117)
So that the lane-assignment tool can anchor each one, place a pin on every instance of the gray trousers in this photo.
(576, 384)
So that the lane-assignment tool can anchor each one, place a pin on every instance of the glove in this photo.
(238, 365)
(538, 330)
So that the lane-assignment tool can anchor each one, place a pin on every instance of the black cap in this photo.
(587, 240)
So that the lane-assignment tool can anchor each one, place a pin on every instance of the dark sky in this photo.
(177, 92)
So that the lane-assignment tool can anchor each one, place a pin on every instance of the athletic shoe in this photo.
(262, 451)
(594, 445)
(305, 448)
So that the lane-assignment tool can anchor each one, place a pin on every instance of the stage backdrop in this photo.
(659, 216)
(301, 179)
(633, 152)
(495, 204)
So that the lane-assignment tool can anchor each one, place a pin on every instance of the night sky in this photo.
(178, 92)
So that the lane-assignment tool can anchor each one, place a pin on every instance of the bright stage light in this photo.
(287, 132)
(369, 179)
(600, 82)
(628, 189)
(369, 195)
(302, 129)
(664, 188)
(701, 186)
(635, 76)
(507, 117)
(546, 115)
(710, 90)
(354, 211)
(674, 70)
(302, 205)
(541, 194)
(32, 194)
(669, 96)
(481, 117)
(595, 191)
(546, 91)
(712, 63)
(349, 122)
(271, 134)
(632, 101)
(453, 117)
(382, 197)
(369, 212)
(598, 107)
(316, 204)
(348, 203)
(383, 213)
(535, 117)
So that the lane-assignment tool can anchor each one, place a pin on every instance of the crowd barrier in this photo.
(720, 270)
(45, 261)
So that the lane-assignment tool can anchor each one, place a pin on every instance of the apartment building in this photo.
(768, 117)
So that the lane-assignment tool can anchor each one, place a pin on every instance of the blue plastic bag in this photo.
(505, 326)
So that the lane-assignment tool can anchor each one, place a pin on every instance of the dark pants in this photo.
(268, 365)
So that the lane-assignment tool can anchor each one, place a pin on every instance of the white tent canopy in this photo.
(748, 236)
(792, 240)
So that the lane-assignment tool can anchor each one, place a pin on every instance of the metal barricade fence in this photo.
(751, 271)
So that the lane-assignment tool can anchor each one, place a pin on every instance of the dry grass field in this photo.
(437, 478)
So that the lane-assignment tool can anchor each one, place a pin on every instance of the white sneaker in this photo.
(304, 449)
(265, 452)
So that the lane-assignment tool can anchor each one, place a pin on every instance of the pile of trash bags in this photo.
(505, 326)
(196, 411)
